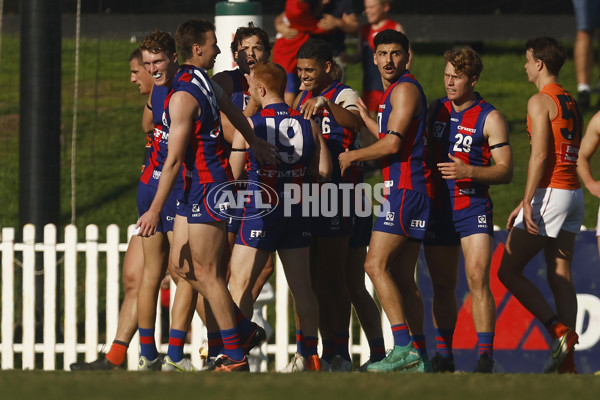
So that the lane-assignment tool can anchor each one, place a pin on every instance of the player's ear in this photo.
(474, 80)
(327, 67)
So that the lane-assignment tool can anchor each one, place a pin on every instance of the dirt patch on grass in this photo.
(11, 123)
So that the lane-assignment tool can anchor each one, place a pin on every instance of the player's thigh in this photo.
(206, 241)
(477, 250)
(246, 264)
(521, 247)
(442, 262)
(559, 255)
(383, 248)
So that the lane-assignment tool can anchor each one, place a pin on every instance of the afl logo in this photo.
(263, 198)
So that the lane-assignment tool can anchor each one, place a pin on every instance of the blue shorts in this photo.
(404, 212)
(145, 196)
(199, 207)
(337, 225)
(293, 83)
(587, 14)
(447, 227)
(233, 223)
(273, 231)
(363, 226)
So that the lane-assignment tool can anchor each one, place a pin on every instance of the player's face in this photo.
(531, 66)
(140, 76)
(313, 74)
(210, 50)
(375, 11)
(160, 66)
(459, 87)
(391, 60)
(250, 51)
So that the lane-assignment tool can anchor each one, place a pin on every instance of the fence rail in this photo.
(81, 283)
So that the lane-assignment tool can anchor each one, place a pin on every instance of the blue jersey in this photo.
(287, 129)
(160, 138)
(337, 137)
(461, 135)
(406, 169)
(240, 95)
(205, 159)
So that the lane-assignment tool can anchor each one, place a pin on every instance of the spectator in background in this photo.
(587, 16)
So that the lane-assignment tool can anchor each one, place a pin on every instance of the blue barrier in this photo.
(522, 343)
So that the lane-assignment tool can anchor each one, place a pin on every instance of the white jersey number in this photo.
(463, 143)
(280, 136)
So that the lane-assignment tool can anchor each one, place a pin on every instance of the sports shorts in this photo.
(555, 210)
(587, 14)
(446, 226)
(274, 231)
(199, 206)
(145, 196)
(598, 223)
(331, 220)
(404, 212)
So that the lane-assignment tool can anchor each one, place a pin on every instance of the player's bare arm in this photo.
(589, 145)
(184, 110)
(322, 157)
(496, 131)
(539, 108)
(405, 101)
(237, 158)
(265, 153)
(348, 118)
(369, 122)
(147, 123)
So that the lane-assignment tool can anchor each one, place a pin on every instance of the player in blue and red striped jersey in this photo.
(303, 151)
(195, 141)
(332, 105)
(400, 226)
(465, 133)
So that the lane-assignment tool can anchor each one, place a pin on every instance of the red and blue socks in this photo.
(244, 325)
(147, 344)
(176, 343)
(215, 344)
(310, 346)
(420, 344)
(340, 345)
(401, 335)
(328, 350)
(486, 343)
(232, 345)
(377, 347)
(300, 343)
(443, 341)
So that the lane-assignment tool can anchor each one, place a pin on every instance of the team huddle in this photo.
(235, 133)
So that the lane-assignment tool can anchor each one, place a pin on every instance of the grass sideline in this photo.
(348, 386)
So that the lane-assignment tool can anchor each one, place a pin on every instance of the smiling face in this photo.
(140, 76)
(459, 87)
(209, 50)
(160, 66)
(250, 51)
(313, 74)
(391, 60)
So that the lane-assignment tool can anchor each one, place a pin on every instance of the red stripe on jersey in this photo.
(267, 112)
(186, 77)
(401, 213)
(206, 204)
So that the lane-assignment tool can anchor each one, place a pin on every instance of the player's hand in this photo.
(513, 216)
(594, 188)
(345, 161)
(530, 225)
(329, 22)
(146, 224)
(265, 153)
(456, 169)
(362, 109)
(288, 32)
(311, 106)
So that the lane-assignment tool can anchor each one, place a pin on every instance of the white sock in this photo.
(583, 87)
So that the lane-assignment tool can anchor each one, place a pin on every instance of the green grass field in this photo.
(110, 141)
(352, 386)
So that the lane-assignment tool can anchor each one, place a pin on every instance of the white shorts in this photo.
(555, 210)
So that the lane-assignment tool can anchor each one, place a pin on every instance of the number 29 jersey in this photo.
(461, 135)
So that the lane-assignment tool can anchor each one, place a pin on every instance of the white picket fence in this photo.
(20, 258)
